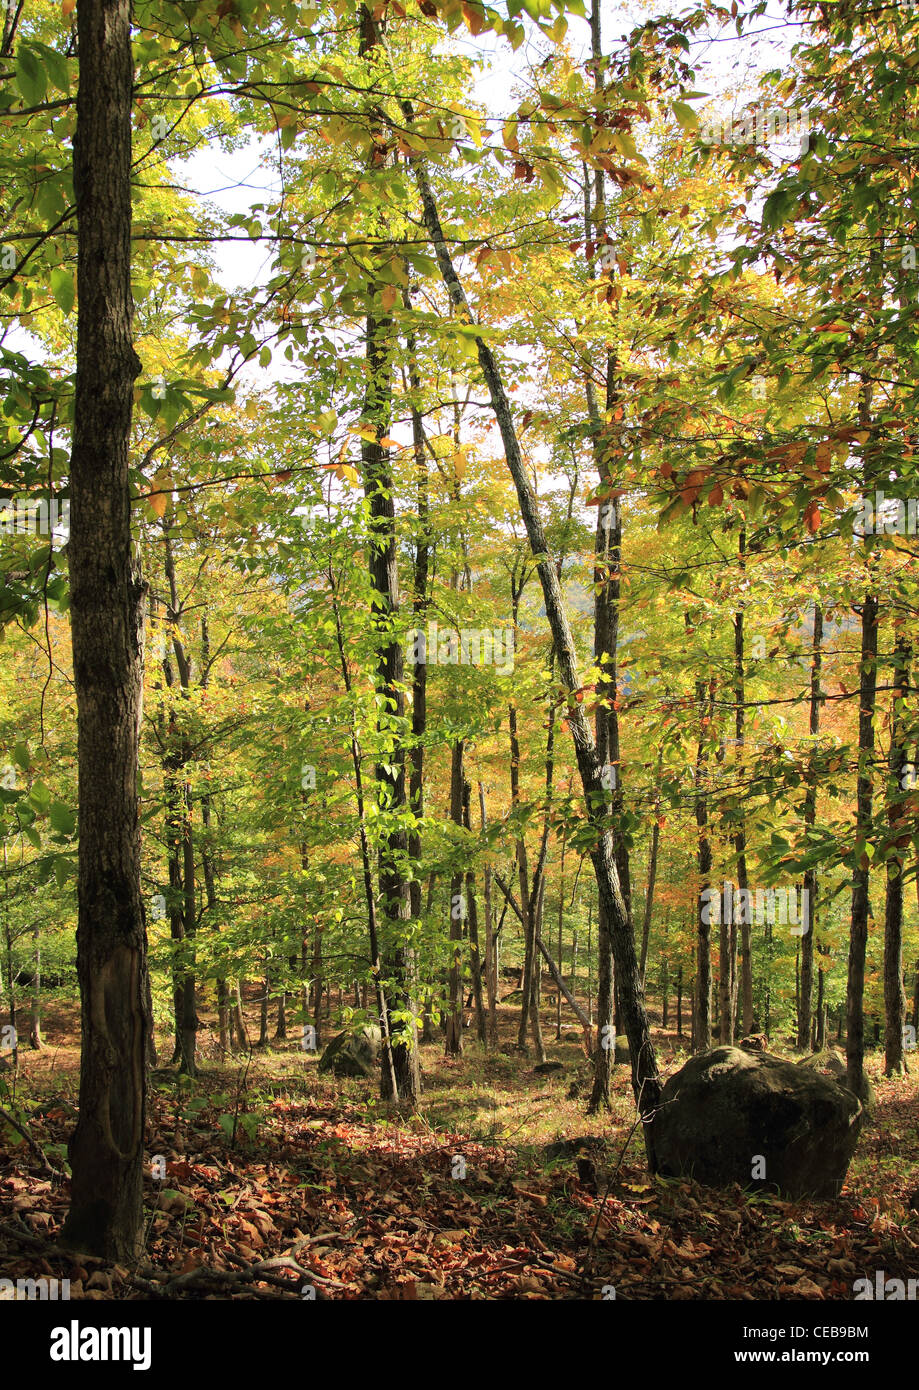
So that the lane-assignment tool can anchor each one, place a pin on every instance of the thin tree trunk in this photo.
(679, 1001)
(475, 958)
(454, 1040)
(189, 986)
(810, 819)
(861, 874)
(263, 1008)
(702, 1000)
(665, 1001)
(491, 963)
(652, 879)
(740, 840)
(223, 1015)
(35, 1037)
(897, 815)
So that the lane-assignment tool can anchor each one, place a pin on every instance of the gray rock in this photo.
(728, 1111)
(833, 1063)
(353, 1054)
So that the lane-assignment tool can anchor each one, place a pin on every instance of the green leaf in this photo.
(777, 205)
(31, 78)
(686, 116)
(21, 756)
(62, 288)
(62, 819)
(57, 68)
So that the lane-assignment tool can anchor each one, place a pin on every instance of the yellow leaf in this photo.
(159, 501)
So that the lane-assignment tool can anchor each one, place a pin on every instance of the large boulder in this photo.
(353, 1054)
(747, 1117)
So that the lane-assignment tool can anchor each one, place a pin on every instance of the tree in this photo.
(106, 1148)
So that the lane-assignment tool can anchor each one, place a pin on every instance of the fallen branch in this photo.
(33, 1145)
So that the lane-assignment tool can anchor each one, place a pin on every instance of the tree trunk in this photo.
(810, 819)
(189, 987)
(107, 604)
(237, 1019)
(679, 1001)
(897, 816)
(861, 874)
(35, 1037)
(702, 1000)
(740, 840)
(665, 1001)
(280, 1030)
(454, 1040)
(475, 958)
(399, 1073)
(263, 1039)
(491, 963)
(652, 878)
(222, 1017)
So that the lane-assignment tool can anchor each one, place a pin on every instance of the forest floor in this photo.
(279, 1180)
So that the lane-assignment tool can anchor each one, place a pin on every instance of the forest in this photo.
(458, 722)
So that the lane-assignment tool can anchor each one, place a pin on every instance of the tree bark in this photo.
(897, 816)
(491, 970)
(702, 999)
(35, 1037)
(810, 818)
(740, 840)
(861, 874)
(107, 611)
(454, 1039)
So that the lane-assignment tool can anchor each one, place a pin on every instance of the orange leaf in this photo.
(716, 496)
(474, 18)
(812, 517)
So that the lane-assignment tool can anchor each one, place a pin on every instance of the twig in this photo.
(33, 1144)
